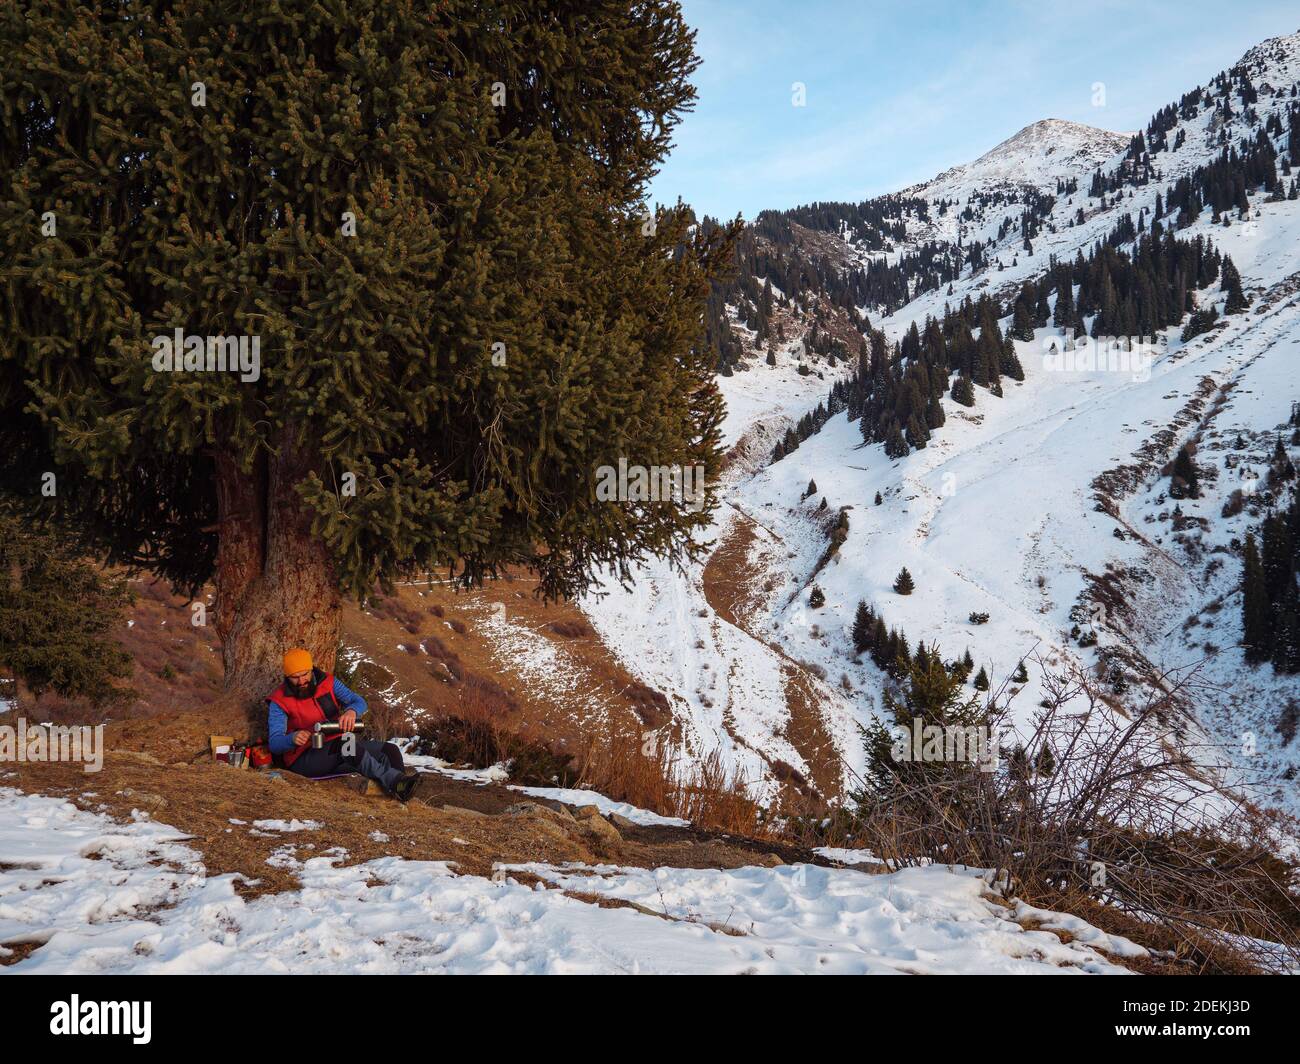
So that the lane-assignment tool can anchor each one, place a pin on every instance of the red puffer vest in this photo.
(317, 708)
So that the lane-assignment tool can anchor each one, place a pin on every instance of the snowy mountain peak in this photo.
(1050, 136)
(1038, 155)
(1274, 62)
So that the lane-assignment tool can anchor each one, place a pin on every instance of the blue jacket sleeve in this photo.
(277, 730)
(349, 699)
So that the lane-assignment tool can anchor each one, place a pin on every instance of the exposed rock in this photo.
(145, 798)
(539, 811)
(555, 830)
(602, 829)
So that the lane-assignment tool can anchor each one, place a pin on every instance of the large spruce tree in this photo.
(430, 217)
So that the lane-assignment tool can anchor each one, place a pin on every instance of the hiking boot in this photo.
(407, 782)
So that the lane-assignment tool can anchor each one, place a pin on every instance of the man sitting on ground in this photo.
(311, 696)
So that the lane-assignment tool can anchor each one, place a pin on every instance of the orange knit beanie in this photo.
(297, 660)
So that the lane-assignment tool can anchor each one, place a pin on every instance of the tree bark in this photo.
(275, 583)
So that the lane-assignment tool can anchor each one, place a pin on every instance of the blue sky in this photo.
(897, 92)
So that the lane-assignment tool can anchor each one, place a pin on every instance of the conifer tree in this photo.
(962, 392)
(902, 661)
(863, 627)
(921, 657)
(1256, 612)
(1063, 314)
(59, 616)
(904, 584)
(1236, 301)
(1185, 481)
(932, 696)
(1286, 639)
(1022, 324)
(879, 642)
(895, 445)
(431, 220)
(988, 354)
(1010, 365)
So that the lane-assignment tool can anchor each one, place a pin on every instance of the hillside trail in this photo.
(731, 580)
(160, 768)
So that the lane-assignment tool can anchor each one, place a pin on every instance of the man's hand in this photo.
(301, 738)
(349, 720)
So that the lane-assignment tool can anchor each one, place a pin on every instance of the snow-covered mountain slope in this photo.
(1003, 512)
(997, 515)
(1273, 64)
(983, 201)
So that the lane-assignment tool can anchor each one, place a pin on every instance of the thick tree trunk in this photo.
(275, 583)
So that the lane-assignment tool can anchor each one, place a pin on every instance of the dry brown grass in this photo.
(460, 658)
(650, 773)
(657, 776)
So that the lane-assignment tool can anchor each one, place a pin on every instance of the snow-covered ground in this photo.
(607, 806)
(103, 897)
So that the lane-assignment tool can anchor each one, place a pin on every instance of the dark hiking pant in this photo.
(373, 759)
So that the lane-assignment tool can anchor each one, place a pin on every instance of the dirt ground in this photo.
(161, 767)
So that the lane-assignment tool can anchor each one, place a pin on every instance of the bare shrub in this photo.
(392, 608)
(570, 629)
(649, 705)
(444, 662)
(1089, 805)
(385, 719)
(480, 734)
